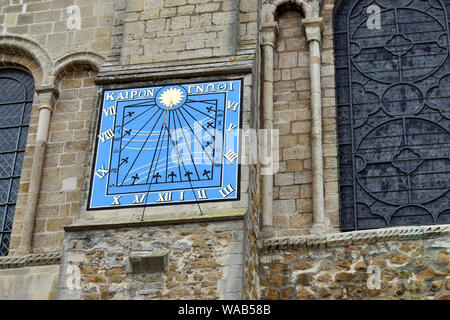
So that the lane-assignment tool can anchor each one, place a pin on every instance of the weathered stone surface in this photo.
(344, 276)
(304, 293)
(303, 265)
(400, 258)
(366, 271)
(443, 258)
(272, 294)
(210, 271)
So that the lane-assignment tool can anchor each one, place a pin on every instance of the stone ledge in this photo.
(229, 215)
(356, 237)
(29, 260)
(242, 63)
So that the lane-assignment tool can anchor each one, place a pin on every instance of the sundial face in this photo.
(166, 145)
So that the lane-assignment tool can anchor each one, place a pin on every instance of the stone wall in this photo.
(292, 117)
(29, 283)
(329, 113)
(205, 261)
(171, 30)
(417, 268)
(62, 178)
(42, 36)
(251, 251)
(46, 22)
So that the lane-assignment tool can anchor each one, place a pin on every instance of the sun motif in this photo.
(171, 97)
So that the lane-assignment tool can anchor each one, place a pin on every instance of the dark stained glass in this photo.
(393, 100)
(16, 98)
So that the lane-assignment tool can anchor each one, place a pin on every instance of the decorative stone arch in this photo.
(19, 51)
(74, 61)
(22, 62)
(311, 9)
(269, 32)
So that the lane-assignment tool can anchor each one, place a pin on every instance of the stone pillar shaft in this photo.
(269, 33)
(47, 99)
(313, 30)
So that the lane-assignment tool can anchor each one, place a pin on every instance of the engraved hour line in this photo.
(138, 199)
(176, 146)
(198, 121)
(165, 197)
(205, 114)
(167, 154)
(139, 115)
(107, 135)
(193, 132)
(225, 192)
(190, 153)
(182, 195)
(156, 148)
(102, 172)
(131, 139)
(137, 133)
(137, 156)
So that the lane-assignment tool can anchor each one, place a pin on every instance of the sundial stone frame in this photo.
(194, 194)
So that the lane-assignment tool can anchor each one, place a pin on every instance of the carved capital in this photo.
(47, 97)
(313, 29)
(269, 32)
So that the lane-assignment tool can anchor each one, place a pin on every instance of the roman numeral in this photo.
(116, 201)
(139, 198)
(101, 173)
(230, 156)
(107, 135)
(111, 111)
(182, 196)
(225, 192)
(165, 197)
(231, 127)
(202, 194)
(233, 105)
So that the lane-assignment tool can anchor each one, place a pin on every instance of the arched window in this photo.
(393, 100)
(16, 98)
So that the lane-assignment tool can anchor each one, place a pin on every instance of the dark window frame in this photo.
(385, 88)
(16, 100)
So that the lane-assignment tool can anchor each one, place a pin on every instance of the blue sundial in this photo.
(167, 144)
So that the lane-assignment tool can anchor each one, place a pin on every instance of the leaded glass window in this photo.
(393, 100)
(16, 98)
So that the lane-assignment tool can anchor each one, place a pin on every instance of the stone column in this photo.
(313, 30)
(47, 99)
(269, 33)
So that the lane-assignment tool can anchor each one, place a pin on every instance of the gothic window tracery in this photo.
(393, 84)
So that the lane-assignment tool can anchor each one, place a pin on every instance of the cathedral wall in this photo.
(171, 30)
(359, 266)
(29, 283)
(64, 163)
(293, 193)
(204, 261)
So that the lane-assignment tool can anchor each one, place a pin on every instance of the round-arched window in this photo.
(16, 99)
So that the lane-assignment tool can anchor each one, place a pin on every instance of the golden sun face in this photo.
(171, 97)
